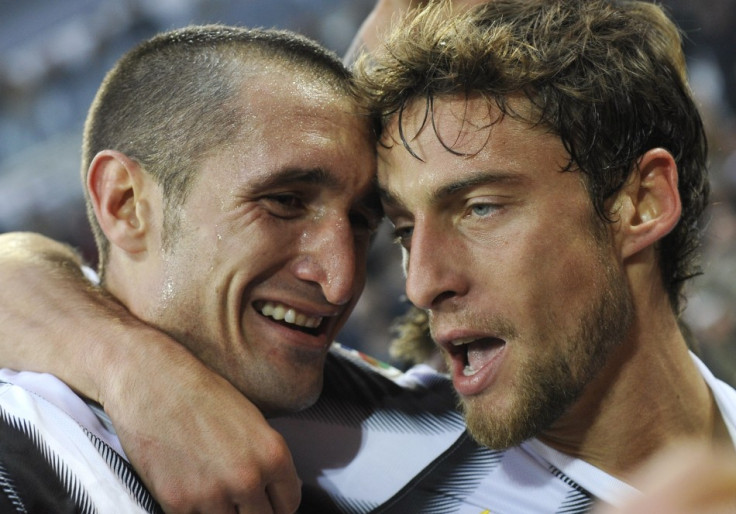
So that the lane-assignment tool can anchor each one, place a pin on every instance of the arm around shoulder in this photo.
(53, 319)
(198, 444)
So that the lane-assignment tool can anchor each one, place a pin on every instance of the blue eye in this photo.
(482, 209)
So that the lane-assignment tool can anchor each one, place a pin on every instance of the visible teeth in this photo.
(290, 316)
(468, 371)
(313, 322)
(281, 312)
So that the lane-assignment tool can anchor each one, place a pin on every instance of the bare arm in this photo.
(53, 320)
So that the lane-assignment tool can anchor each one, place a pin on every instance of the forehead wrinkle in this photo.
(292, 175)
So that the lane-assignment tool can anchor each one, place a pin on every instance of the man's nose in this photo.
(329, 259)
(434, 269)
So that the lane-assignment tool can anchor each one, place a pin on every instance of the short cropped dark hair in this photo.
(607, 76)
(172, 101)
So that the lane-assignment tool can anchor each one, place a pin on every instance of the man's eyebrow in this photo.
(452, 188)
(479, 179)
(286, 176)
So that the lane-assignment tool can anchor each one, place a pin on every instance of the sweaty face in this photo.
(268, 258)
(525, 294)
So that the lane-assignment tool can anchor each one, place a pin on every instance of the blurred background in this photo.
(54, 54)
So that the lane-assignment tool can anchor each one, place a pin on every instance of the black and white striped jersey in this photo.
(376, 441)
(58, 454)
(380, 441)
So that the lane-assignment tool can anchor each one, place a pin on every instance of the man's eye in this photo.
(288, 200)
(284, 204)
(402, 236)
(483, 209)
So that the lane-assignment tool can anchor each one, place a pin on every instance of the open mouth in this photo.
(476, 353)
(290, 317)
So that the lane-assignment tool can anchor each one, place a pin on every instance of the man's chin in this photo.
(302, 397)
(498, 428)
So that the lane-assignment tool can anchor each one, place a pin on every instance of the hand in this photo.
(198, 444)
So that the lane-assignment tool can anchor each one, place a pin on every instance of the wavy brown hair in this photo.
(608, 77)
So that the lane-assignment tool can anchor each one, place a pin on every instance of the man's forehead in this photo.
(275, 81)
(468, 142)
(278, 115)
(295, 146)
(463, 124)
(473, 111)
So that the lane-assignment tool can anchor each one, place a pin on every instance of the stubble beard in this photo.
(545, 388)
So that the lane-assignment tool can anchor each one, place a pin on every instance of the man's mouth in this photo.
(476, 353)
(289, 316)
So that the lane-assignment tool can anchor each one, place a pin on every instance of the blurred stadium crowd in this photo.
(53, 56)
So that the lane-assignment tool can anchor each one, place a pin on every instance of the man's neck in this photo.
(650, 395)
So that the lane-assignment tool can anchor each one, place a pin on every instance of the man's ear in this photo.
(648, 207)
(115, 185)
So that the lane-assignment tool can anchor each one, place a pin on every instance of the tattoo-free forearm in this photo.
(161, 399)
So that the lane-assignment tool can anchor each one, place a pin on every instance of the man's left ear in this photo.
(648, 206)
